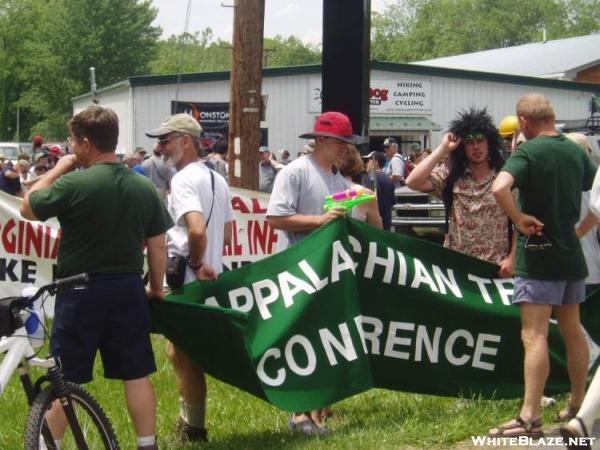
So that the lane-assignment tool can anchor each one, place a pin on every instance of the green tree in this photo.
(291, 51)
(200, 52)
(188, 52)
(414, 30)
(49, 46)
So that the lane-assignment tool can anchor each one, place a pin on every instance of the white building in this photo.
(410, 102)
(573, 59)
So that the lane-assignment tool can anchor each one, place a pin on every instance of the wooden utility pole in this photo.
(245, 93)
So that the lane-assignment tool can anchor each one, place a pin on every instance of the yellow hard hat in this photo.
(508, 126)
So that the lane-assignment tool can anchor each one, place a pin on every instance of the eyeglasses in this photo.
(165, 140)
(536, 242)
(476, 137)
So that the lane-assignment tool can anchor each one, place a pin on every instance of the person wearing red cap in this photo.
(38, 142)
(296, 204)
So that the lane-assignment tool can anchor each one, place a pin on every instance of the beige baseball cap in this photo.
(177, 123)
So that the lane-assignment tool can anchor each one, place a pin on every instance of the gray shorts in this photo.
(548, 292)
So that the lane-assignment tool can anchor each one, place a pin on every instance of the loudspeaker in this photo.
(346, 65)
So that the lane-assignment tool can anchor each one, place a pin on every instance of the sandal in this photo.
(564, 415)
(307, 427)
(569, 433)
(519, 423)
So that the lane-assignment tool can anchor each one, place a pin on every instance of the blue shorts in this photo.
(548, 292)
(111, 315)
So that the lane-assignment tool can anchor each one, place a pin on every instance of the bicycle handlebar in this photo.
(81, 278)
(62, 282)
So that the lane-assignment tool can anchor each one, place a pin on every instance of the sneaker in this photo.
(188, 433)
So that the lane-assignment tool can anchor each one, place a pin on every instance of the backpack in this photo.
(408, 167)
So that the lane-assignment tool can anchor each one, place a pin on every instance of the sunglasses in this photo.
(474, 137)
(537, 243)
(165, 140)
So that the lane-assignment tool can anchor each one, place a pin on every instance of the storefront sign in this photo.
(406, 95)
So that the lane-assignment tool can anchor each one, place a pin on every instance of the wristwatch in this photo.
(194, 266)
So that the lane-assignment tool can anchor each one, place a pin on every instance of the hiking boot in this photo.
(188, 433)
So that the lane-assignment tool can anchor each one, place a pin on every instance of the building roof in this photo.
(560, 59)
(315, 69)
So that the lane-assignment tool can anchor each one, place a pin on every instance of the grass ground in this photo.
(376, 419)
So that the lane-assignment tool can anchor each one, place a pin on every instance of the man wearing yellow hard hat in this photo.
(509, 130)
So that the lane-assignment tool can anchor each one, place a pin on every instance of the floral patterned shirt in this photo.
(478, 226)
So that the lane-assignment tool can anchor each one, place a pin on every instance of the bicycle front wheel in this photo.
(95, 427)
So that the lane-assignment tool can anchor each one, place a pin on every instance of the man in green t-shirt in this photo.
(550, 173)
(107, 215)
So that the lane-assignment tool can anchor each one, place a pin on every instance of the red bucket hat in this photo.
(334, 125)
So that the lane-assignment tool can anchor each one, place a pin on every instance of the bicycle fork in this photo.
(64, 397)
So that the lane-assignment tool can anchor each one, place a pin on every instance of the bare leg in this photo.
(534, 334)
(578, 354)
(57, 420)
(191, 382)
(141, 403)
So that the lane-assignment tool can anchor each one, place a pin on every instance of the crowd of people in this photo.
(536, 242)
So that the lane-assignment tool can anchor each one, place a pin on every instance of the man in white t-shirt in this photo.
(394, 166)
(581, 425)
(200, 206)
(296, 206)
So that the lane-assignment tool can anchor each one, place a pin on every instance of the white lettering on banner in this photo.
(211, 301)
(505, 292)
(431, 347)
(393, 340)
(260, 368)
(461, 347)
(265, 293)
(286, 280)
(286, 287)
(481, 349)
(458, 360)
(422, 276)
(346, 349)
(312, 275)
(244, 293)
(371, 336)
(481, 282)
(374, 259)
(402, 269)
(340, 261)
(309, 353)
(449, 281)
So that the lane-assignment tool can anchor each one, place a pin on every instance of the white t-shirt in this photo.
(191, 191)
(589, 243)
(301, 188)
(395, 167)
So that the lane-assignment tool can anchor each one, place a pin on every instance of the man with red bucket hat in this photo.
(296, 206)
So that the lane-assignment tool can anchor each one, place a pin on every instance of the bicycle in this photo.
(22, 333)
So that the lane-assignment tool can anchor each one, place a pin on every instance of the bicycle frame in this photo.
(18, 348)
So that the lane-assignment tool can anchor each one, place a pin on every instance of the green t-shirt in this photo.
(550, 173)
(105, 214)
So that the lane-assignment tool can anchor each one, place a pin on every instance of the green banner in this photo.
(352, 307)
